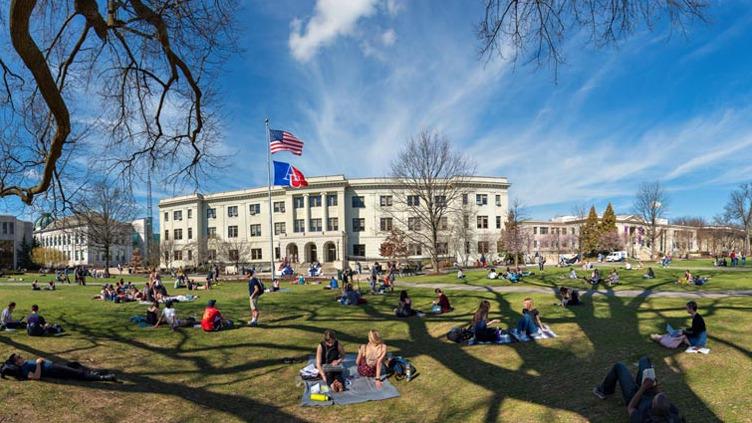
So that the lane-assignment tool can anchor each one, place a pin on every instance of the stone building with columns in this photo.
(334, 221)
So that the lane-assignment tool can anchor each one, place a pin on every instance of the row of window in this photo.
(67, 239)
(544, 230)
(232, 255)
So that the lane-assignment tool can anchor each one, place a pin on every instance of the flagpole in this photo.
(271, 220)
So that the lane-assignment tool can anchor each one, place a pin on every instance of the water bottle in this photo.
(408, 372)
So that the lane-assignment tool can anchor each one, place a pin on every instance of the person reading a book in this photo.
(329, 356)
(645, 402)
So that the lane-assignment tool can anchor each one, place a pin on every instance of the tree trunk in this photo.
(107, 261)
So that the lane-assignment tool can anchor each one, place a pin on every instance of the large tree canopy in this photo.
(135, 76)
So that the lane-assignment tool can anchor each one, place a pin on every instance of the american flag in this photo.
(285, 141)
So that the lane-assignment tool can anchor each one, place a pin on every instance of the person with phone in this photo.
(645, 402)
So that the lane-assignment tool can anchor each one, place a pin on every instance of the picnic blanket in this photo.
(357, 388)
(515, 336)
(176, 298)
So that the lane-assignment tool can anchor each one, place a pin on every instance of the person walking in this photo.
(255, 289)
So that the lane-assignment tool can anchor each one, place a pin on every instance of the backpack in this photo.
(459, 334)
(401, 368)
(262, 288)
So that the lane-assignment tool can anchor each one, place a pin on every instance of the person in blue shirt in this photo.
(36, 325)
(41, 368)
(333, 284)
(255, 289)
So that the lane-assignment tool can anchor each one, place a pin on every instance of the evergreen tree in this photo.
(608, 234)
(590, 233)
(136, 260)
(608, 222)
(24, 253)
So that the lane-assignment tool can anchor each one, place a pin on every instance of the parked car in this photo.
(615, 256)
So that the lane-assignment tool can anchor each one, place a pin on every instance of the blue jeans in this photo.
(527, 325)
(620, 373)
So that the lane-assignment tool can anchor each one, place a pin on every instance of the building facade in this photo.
(13, 232)
(71, 236)
(333, 221)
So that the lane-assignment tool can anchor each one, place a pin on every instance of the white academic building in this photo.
(12, 235)
(334, 220)
(70, 236)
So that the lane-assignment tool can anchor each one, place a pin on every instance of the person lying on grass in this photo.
(170, 317)
(530, 323)
(572, 274)
(442, 302)
(16, 366)
(36, 325)
(371, 357)
(329, 356)
(213, 320)
(645, 402)
(481, 326)
(6, 318)
(695, 336)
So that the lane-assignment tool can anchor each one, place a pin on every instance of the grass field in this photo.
(240, 375)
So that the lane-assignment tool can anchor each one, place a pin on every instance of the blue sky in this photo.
(355, 78)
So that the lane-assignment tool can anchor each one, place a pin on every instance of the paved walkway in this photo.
(542, 290)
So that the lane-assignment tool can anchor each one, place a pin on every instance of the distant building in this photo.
(13, 232)
(70, 235)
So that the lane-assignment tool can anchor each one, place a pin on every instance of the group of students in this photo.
(35, 324)
(438, 306)
(689, 279)
(370, 361)
(512, 275)
(50, 286)
(483, 329)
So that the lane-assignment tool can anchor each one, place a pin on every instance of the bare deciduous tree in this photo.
(536, 30)
(462, 232)
(136, 73)
(515, 236)
(167, 248)
(235, 251)
(738, 210)
(432, 176)
(106, 213)
(651, 204)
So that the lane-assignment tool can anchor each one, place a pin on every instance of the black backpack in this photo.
(459, 335)
(262, 288)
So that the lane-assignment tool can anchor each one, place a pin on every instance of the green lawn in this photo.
(720, 279)
(240, 375)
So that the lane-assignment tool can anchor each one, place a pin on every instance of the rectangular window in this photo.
(386, 224)
(535, 230)
(255, 253)
(498, 200)
(482, 222)
(254, 209)
(443, 223)
(11, 228)
(190, 213)
(234, 255)
(413, 223)
(177, 215)
(358, 202)
(256, 230)
(279, 207)
(5, 228)
(466, 221)
(211, 232)
(385, 201)
(276, 253)
(211, 254)
(464, 199)
(571, 230)
(467, 247)
(232, 232)
(332, 224)
(481, 199)
(442, 248)
(535, 243)
(482, 247)
(314, 200)
(413, 200)
(498, 222)
(298, 225)
(543, 230)
(280, 228)
(359, 224)
(315, 225)
(331, 200)
(190, 254)
(178, 234)
(440, 201)
(190, 233)
(414, 250)
(359, 250)
(298, 202)
(166, 235)
(232, 211)
(211, 213)
(177, 255)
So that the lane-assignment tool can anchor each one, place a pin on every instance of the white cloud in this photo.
(389, 37)
(394, 7)
(332, 18)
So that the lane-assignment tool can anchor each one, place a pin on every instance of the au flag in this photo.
(288, 175)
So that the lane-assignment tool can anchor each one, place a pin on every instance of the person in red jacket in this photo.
(212, 319)
(442, 301)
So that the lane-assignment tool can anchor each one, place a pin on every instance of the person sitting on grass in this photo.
(441, 304)
(35, 286)
(6, 318)
(170, 317)
(213, 320)
(460, 273)
(492, 274)
(405, 307)
(329, 356)
(480, 325)
(39, 369)
(371, 357)
(50, 286)
(333, 284)
(595, 278)
(569, 296)
(696, 335)
(530, 323)
(275, 285)
(37, 326)
(572, 274)
(350, 296)
(650, 274)
(685, 279)
(513, 276)
(627, 266)
(645, 402)
(613, 278)
(152, 313)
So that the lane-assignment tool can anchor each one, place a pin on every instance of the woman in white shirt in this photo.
(170, 317)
